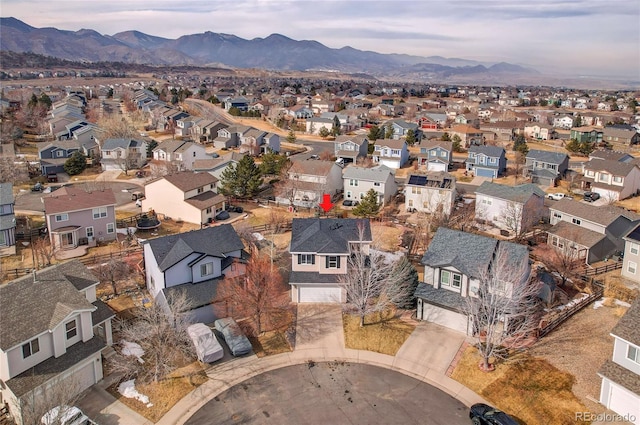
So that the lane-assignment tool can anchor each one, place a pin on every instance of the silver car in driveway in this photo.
(237, 341)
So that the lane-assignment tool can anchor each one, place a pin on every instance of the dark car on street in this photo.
(482, 414)
(591, 196)
(349, 203)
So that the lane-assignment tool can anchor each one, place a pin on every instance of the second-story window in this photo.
(206, 269)
(71, 329)
(633, 354)
(333, 262)
(603, 177)
(306, 259)
(633, 248)
(200, 190)
(576, 221)
(62, 217)
(99, 212)
(376, 183)
(353, 182)
(30, 348)
(617, 179)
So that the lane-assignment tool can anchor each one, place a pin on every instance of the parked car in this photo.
(591, 196)
(349, 203)
(482, 414)
(314, 156)
(66, 415)
(222, 215)
(556, 196)
(237, 341)
(207, 346)
(38, 187)
(52, 177)
(234, 208)
(137, 195)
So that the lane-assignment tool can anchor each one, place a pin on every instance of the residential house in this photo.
(252, 141)
(350, 148)
(179, 153)
(61, 342)
(359, 180)
(184, 126)
(620, 389)
(594, 232)
(486, 161)
(216, 166)
(205, 131)
(299, 111)
(545, 167)
(612, 180)
(435, 155)
(620, 136)
(7, 220)
(193, 263)
(239, 103)
(631, 257)
(391, 153)
(401, 128)
(75, 217)
(186, 196)
(315, 125)
(563, 121)
(587, 134)
(311, 179)
(55, 154)
(469, 136)
(503, 131)
(453, 267)
(230, 137)
(512, 208)
(123, 154)
(434, 192)
(271, 143)
(610, 155)
(320, 249)
(539, 131)
(80, 130)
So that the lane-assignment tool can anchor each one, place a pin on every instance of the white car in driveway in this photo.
(66, 415)
(557, 196)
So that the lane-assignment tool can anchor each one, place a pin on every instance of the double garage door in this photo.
(624, 402)
(319, 294)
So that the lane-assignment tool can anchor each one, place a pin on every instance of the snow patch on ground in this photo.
(128, 389)
(132, 349)
(389, 257)
(600, 303)
(258, 236)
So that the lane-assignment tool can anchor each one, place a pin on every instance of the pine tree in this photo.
(335, 129)
(291, 137)
(242, 179)
(411, 137)
(520, 145)
(374, 133)
(75, 164)
(368, 206)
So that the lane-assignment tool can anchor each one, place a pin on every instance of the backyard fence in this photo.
(587, 271)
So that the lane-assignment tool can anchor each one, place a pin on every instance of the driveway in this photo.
(332, 393)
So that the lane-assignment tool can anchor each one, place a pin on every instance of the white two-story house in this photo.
(123, 154)
(193, 263)
(320, 250)
(52, 332)
(310, 180)
(431, 193)
(179, 153)
(392, 153)
(620, 389)
(358, 181)
(613, 180)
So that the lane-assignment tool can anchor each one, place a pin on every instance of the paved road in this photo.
(332, 393)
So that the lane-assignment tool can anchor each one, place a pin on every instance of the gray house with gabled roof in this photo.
(320, 250)
(193, 262)
(359, 180)
(545, 167)
(486, 161)
(453, 266)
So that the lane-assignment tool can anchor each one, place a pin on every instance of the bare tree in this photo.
(112, 272)
(564, 260)
(512, 216)
(43, 251)
(289, 185)
(374, 283)
(60, 391)
(503, 307)
(160, 330)
(259, 295)
(115, 126)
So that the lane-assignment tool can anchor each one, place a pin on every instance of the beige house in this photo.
(186, 196)
(631, 258)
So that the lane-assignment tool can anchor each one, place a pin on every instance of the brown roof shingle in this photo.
(188, 180)
(603, 214)
(71, 198)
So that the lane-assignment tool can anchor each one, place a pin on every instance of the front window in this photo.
(306, 259)
(450, 279)
(634, 248)
(71, 329)
(603, 177)
(617, 179)
(206, 269)
(416, 190)
(62, 217)
(353, 182)
(633, 353)
(99, 212)
(333, 262)
(30, 348)
(632, 267)
(110, 228)
(200, 190)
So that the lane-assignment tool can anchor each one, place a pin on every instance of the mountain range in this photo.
(275, 52)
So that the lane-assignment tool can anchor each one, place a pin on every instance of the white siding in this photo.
(155, 278)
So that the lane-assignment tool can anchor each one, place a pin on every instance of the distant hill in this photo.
(275, 52)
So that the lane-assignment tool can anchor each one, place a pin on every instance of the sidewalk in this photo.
(426, 356)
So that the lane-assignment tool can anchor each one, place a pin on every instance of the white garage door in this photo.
(447, 318)
(436, 166)
(85, 377)
(625, 403)
(319, 294)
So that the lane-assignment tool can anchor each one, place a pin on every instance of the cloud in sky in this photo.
(575, 36)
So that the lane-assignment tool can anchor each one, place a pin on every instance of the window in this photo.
(110, 228)
(633, 248)
(348, 194)
(306, 259)
(99, 212)
(432, 153)
(208, 210)
(200, 190)
(633, 353)
(30, 348)
(206, 269)
(603, 177)
(617, 179)
(451, 279)
(62, 217)
(486, 201)
(443, 154)
(395, 152)
(333, 262)
(59, 154)
(632, 267)
(194, 154)
(557, 215)
(71, 329)
(376, 183)
(576, 221)
(589, 173)
(556, 241)
(410, 204)
(361, 195)
(353, 182)
(89, 231)
(416, 190)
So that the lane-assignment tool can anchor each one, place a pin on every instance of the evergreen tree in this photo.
(291, 137)
(242, 179)
(413, 280)
(411, 137)
(374, 133)
(368, 206)
(445, 137)
(457, 143)
(388, 134)
(33, 102)
(150, 147)
(335, 129)
(272, 163)
(45, 100)
(324, 132)
(75, 164)
(520, 145)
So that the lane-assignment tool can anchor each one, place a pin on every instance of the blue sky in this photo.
(573, 37)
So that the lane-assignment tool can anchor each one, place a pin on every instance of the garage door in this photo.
(436, 166)
(85, 376)
(444, 317)
(625, 402)
(318, 294)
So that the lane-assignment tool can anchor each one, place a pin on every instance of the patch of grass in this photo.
(614, 287)
(528, 388)
(382, 333)
(389, 238)
(164, 394)
(123, 176)
(270, 343)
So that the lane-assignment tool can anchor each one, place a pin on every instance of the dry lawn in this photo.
(164, 394)
(270, 343)
(383, 333)
(388, 238)
(528, 388)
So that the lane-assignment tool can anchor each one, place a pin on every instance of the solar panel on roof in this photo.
(418, 180)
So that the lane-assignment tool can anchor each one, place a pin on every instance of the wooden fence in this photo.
(103, 258)
(16, 273)
(602, 269)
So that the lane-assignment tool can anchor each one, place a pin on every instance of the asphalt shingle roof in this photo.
(188, 180)
(312, 277)
(215, 241)
(577, 234)
(602, 214)
(440, 297)
(28, 308)
(327, 235)
(628, 327)
(620, 375)
(615, 168)
(74, 199)
(6, 193)
(520, 193)
(197, 295)
(549, 157)
(111, 144)
(488, 150)
(375, 174)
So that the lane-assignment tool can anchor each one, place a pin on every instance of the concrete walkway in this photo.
(426, 356)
